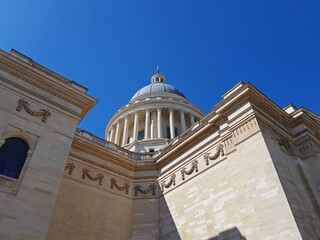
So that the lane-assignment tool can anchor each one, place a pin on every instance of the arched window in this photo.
(13, 154)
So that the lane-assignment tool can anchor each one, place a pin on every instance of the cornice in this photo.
(185, 141)
(45, 82)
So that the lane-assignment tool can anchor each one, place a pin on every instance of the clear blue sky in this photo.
(203, 47)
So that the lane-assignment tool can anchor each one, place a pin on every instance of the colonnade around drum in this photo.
(151, 123)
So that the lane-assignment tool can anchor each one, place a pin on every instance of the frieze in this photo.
(194, 167)
(40, 83)
(42, 112)
(114, 183)
(283, 142)
(152, 188)
(219, 152)
(245, 130)
(229, 144)
(70, 167)
(171, 182)
(85, 173)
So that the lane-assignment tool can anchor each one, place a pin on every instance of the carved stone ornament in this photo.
(70, 167)
(219, 152)
(171, 182)
(114, 183)
(99, 177)
(42, 112)
(194, 167)
(284, 143)
(152, 188)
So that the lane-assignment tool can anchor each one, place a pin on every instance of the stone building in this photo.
(247, 170)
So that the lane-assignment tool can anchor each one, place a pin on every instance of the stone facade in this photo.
(247, 170)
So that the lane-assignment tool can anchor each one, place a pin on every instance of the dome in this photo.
(150, 124)
(158, 87)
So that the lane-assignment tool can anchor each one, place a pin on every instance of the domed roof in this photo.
(158, 87)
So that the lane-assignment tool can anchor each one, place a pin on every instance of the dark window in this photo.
(176, 131)
(128, 140)
(13, 154)
(151, 149)
(168, 132)
(141, 135)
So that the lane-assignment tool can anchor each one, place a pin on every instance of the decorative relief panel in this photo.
(152, 188)
(114, 183)
(194, 167)
(70, 167)
(284, 144)
(42, 112)
(245, 129)
(85, 173)
(219, 152)
(229, 144)
(171, 182)
(308, 148)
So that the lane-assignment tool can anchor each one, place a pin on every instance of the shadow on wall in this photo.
(169, 229)
(231, 234)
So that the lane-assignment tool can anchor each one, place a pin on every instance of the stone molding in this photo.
(66, 93)
(42, 112)
(70, 167)
(151, 188)
(86, 173)
(194, 167)
(125, 186)
(78, 171)
(172, 181)
(219, 152)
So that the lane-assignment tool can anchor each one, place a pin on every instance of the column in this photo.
(159, 122)
(125, 131)
(147, 125)
(111, 134)
(191, 119)
(116, 140)
(153, 127)
(183, 122)
(171, 121)
(136, 126)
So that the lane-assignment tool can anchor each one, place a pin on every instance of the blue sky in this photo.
(202, 47)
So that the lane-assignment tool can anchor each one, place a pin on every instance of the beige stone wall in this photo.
(238, 195)
(145, 219)
(26, 204)
(90, 206)
(293, 174)
(87, 212)
(26, 214)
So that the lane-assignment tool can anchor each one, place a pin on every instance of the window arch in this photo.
(13, 154)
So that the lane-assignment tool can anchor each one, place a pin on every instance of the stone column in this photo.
(125, 131)
(111, 134)
(136, 126)
(183, 122)
(191, 119)
(171, 120)
(147, 125)
(153, 118)
(116, 140)
(159, 123)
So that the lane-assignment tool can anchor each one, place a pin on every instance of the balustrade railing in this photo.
(89, 136)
